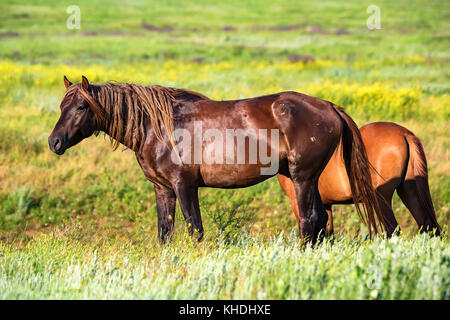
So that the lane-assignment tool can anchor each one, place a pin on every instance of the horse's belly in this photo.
(334, 185)
(232, 176)
(244, 161)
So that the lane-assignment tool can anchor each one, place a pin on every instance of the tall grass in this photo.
(278, 268)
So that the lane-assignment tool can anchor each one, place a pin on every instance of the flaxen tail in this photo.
(358, 170)
(418, 162)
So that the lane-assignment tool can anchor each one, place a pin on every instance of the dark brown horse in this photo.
(398, 157)
(148, 120)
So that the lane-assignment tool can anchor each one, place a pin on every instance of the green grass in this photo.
(277, 268)
(56, 212)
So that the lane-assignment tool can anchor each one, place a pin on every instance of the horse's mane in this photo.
(122, 110)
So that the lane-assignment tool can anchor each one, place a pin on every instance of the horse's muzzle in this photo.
(56, 145)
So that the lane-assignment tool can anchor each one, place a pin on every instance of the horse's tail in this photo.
(358, 171)
(418, 169)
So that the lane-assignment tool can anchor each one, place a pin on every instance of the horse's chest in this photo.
(150, 170)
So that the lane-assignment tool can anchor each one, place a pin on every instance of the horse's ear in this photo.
(67, 83)
(84, 83)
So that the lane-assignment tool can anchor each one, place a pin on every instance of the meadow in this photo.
(83, 225)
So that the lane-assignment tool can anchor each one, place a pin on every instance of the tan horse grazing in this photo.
(398, 157)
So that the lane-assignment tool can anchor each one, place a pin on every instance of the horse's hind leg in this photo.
(305, 171)
(312, 134)
(288, 187)
(409, 194)
(312, 218)
(386, 192)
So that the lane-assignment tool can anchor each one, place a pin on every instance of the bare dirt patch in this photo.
(89, 33)
(299, 57)
(320, 30)
(286, 28)
(277, 28)
(150, 27)
(198, 60)
(228, 28)
(9, 35)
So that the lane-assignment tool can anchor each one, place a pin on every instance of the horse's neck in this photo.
(137, 128)
(106, 128)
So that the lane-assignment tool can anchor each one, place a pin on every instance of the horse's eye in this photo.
(81, 108)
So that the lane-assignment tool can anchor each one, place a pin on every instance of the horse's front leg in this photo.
(188, 198)
(165, 206)
(330, 227)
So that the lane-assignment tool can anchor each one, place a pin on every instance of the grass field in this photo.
(83, 225)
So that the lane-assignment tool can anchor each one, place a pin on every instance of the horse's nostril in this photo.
(56, 144)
